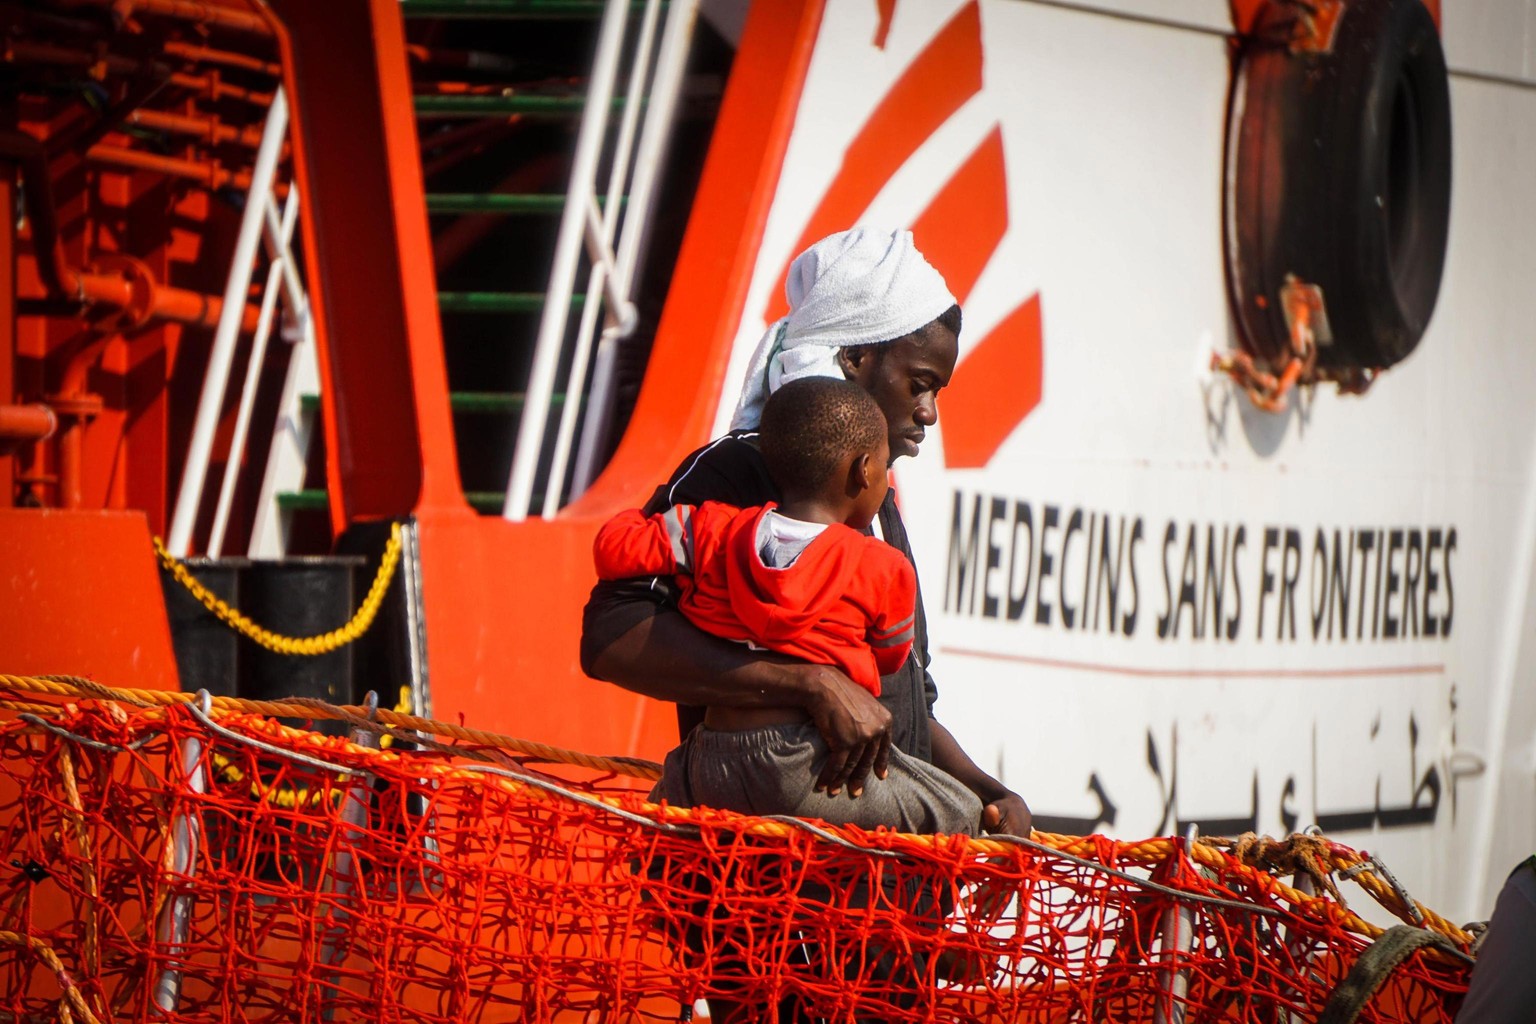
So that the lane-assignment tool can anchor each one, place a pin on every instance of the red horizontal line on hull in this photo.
(1205, 673)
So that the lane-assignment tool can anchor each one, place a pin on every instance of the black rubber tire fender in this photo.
(1339, 172)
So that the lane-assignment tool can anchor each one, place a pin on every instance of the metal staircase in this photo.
(517, 121)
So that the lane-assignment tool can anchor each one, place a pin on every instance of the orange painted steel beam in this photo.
(388, 425)
(718, 255)
(506, 653)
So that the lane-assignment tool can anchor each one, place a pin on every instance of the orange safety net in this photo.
(164, 866)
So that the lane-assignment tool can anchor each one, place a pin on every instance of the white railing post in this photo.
(290, 444)
(225, 336)
(1296, 944)
(281, 258)
(341, 872)
(604, 277)
(1178, 938)
(289, 454)
(557, 297)
(671, 62)
(175, 920)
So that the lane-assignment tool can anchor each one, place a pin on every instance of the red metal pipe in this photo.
(196, 309)
(209, 129)
(208, 55)
(27, 422)
(71, 445)
(208, 175)
(216, 89)
(76, 406)
(132, 289)
(198, 11)
(52, 266)
(143, 300)
(209, 85)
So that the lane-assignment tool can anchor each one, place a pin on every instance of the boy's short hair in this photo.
(810, 426)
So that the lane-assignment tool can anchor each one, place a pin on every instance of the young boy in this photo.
(801, 578)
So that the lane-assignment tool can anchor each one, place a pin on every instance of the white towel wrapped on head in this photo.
(857, 287)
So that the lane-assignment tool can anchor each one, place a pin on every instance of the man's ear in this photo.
(851, 358)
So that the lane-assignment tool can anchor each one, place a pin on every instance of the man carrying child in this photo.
(799, 577)
(865, 306)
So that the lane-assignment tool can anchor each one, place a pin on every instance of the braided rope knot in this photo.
(1298, 853)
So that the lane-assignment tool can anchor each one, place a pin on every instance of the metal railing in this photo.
(262, 222)
(612, 275)
(220, 360)
(288, 456)
(280, 257)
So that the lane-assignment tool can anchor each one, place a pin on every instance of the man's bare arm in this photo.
(667, 657)
(1004, 811)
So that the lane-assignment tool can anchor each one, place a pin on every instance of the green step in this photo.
(494, 401)
(506, 8)
(486, 501)
(296, 501)
(486, 401)
(493, 502)
(497, 302)
(497, 106)
(499, 202)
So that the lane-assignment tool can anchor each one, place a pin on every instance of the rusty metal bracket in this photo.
(1306, 321)
(1306, 315)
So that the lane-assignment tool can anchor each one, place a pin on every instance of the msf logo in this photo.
(997, 382)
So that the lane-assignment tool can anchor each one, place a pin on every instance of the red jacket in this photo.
(848, 600)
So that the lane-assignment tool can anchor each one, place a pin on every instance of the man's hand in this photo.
(1007, 815)
(855, 726)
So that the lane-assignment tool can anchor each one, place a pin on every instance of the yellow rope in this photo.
(65, 686)
(287, 798)
(83, 837)
(307, 645)
(72, 997)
